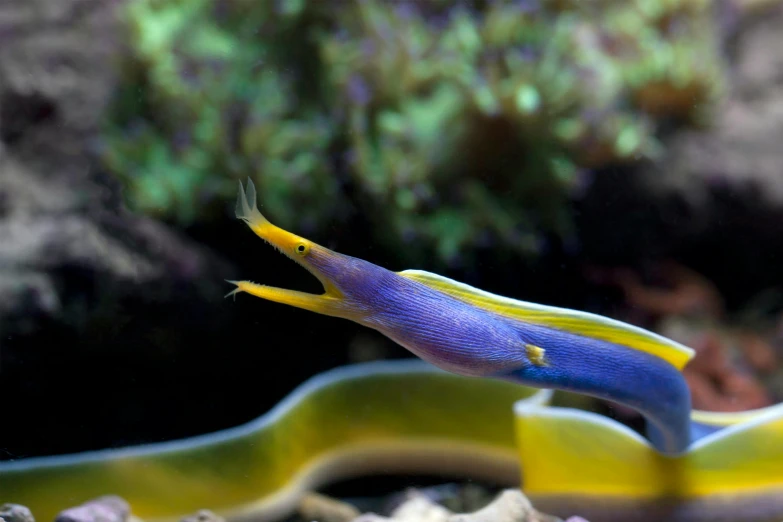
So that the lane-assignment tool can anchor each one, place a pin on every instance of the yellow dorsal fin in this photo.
(572, 321)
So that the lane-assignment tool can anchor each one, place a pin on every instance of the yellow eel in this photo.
(383, 417)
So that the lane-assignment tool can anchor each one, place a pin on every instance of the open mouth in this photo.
(292, 246)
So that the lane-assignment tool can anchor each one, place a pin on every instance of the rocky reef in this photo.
(442, 128)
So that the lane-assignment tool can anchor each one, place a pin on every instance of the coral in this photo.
(510, 505)
(716, 382)
(735, 358)
(109, 508)
(452, 125)
(15, 513)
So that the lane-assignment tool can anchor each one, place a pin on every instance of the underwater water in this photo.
(528, 195)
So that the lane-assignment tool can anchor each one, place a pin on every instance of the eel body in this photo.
(467, 331)
(383, 417)
(408, 417)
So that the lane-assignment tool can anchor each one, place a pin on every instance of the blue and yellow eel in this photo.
(496, 397)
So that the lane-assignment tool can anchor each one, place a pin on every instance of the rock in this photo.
(320, 508)
(57, 210)
(510, 505)
(742, 148)
(455, 497)
(713, 201)
(103, 509)
(15, 513)
(419, 508)
(203, 515)
(96, 304)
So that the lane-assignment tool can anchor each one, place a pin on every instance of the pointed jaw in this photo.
(296, 248)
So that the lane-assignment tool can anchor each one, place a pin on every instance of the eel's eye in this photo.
(301, 249)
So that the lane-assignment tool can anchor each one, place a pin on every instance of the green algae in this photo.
(441, 124)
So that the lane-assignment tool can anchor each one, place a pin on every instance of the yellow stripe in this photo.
(729, 418)
(573, 321)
